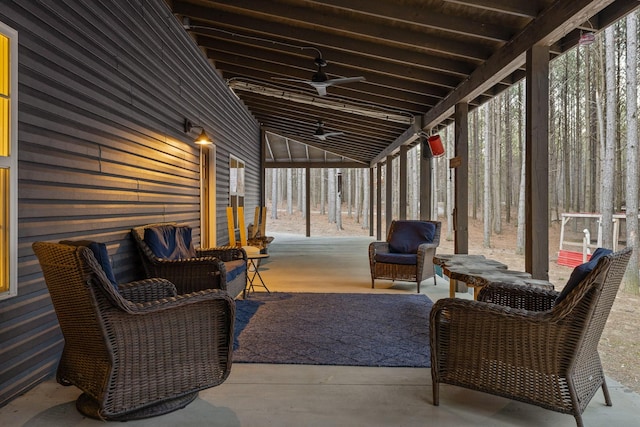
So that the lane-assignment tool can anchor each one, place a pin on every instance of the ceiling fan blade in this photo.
(329, 134)
(343, 80)
(320, 87)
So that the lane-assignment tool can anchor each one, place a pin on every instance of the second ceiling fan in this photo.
(322, 134)
(320, 81)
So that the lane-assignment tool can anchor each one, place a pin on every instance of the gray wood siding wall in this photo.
(104, 88)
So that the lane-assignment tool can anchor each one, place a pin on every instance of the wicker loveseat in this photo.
(171, 255)
(526, 343)
(135, 350)
(408, 252)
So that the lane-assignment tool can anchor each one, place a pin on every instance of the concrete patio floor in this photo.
(299, 395)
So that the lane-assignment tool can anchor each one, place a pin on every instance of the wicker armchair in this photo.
(525, 344)
(408, 252)
(138, 350)
(222, 267)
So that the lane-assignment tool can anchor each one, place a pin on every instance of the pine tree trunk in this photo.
(331, 194)
(508, 156)
(520, 233)
(450, 187)
(339, 192)
(496, 166)
(365, 198)
(323, 192)
(608, 178)
(475, 169)
(289, 192)
(274, 194)
(486, 241)
(632, 280)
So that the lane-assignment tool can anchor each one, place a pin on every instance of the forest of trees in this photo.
(593, 153)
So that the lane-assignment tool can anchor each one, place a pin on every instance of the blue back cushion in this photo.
(408, 235)
(170, 242)
(234, 268)
(581, 271)
(100, 253)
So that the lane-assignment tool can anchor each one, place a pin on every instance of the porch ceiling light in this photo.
(203, 138)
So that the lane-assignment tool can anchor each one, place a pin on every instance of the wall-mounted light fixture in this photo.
(203, 138)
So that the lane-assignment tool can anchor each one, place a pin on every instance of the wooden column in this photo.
(371, 200)
(461, 183)
(379, 202)
(263, 149)
(426, 188)
(307, 201)
(388, 207)
(403, 182)
(537, 163)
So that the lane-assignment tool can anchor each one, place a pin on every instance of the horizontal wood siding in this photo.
(104, 88)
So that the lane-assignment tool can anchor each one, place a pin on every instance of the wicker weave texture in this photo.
(140, 357)
(517, 343)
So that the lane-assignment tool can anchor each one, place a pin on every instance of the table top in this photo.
(476, 270)
(257, 256)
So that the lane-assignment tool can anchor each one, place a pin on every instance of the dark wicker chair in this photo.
(210, 269)
(388, 269)
(137, 351)
(522, 343)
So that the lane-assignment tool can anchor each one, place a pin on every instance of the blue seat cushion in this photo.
(406, 236)
(234, 269)
(170, 242)
(581, 271)
(394, 258)
(101, 255)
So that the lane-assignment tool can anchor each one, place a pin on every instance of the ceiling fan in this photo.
(320, 81)
(322, 134)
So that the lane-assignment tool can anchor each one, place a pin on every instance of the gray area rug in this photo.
(333, 329)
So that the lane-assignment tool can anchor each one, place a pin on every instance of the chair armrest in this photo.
(523, 297)
(479, 333)
(225, 253)
(147, 290)
(378, 247)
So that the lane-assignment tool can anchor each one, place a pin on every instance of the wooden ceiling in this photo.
(419, 58)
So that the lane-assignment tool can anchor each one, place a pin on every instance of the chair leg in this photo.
(605, 391)
(436, 393)
(579, 422)
(373, 283)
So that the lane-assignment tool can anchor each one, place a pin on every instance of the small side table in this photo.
(254, 267)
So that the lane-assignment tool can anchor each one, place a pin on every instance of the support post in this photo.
(537, 163)
(461, 183)
(307, 201)
(403, 182)
(379, 202)
(388, 208)
(371, 201)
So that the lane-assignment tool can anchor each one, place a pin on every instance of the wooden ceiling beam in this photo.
(522, 8)
(427, 17)
(283, 31)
